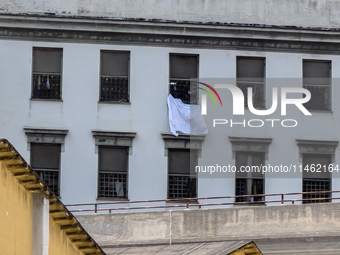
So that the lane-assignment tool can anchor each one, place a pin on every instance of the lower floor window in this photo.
(112, 176)
(249, 181)
(249, 187)
(182, 181)
(316, 185)
(45, 161)
(316, 180)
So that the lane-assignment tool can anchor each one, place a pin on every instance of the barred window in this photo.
(182, 181)
(250, 72)
(183, 77)
(249, 183)
(317, 79)
(46, 78)
(316, 180)
(113, 166)
(45, 161)
(114, 76)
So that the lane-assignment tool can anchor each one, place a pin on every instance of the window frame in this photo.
(128, 77)
(47, 136)
(250, 179)
(113, 139)
(45, 170)
(61, 49)
(315, 147)
(182, 142)
(187, 175)
(329, 85)
(250, 145)
(264, 95)
(126, 190)
(185, 79)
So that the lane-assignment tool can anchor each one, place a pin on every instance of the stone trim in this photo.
(250, 144)
(316, 147)
(170, 34)
(191, 142)
(45, 135)
(113, 138)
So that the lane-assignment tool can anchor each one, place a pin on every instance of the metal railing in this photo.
(185, 202)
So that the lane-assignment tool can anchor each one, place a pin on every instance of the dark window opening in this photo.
(316, 180)
(183, 77)
(249, 183)
(112, 178)
(317, 79)
(114, 76)
(251, 73)
(182, 181)
(45, 161)
(46, 82)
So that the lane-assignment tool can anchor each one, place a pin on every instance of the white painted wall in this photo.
(80, 113)
(310, 13)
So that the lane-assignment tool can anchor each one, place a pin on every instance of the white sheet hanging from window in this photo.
(182, 115)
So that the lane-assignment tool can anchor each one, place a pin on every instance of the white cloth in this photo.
(185, 118)
(48, 83)
(119, 189)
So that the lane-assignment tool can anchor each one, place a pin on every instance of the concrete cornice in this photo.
(100, 24)
(169, 33)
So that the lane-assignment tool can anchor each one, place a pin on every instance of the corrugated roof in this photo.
(206, 248)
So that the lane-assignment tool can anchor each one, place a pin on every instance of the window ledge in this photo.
(182, 201)
(97, 133)
(168, 135)
(257, 203)
(114, 102)
(46, 99)
(320, 111)
(112, 199)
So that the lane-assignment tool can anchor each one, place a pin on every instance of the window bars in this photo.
(185, 90)
(46, 86)
(320, 97)
(181, 186)
(112, 185)
(114, 88)
(258, 93)
(316, 185)
(51, 178)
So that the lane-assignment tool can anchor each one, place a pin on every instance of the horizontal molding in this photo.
(170, 136)
(45, 131)
(102, 133)
(316, 142)
(170, 33)
(234, 139)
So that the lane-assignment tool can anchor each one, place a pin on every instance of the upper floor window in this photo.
(250, 72)
(46, 82)
(114, 76)
(183, 77)
(317, 79)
